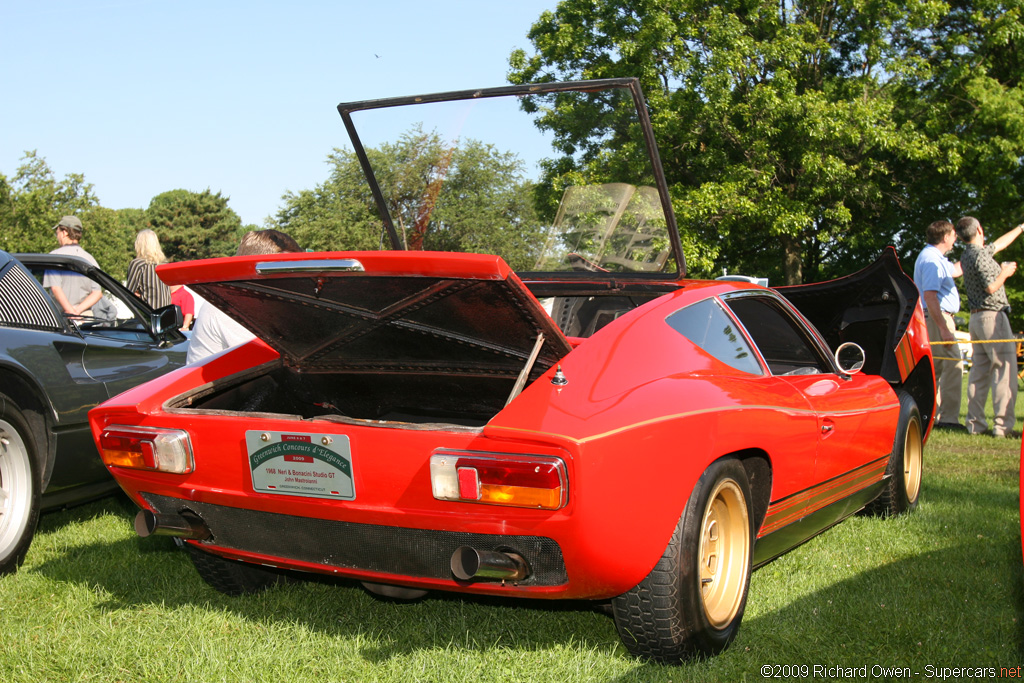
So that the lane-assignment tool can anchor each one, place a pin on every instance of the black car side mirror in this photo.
(166, 319)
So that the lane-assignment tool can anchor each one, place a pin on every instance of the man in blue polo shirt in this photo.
(933, 275)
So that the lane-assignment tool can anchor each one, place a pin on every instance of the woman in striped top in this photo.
(142, 277)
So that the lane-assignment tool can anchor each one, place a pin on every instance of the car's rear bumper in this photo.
(360, 550)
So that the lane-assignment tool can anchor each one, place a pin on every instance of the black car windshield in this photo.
(491, 172)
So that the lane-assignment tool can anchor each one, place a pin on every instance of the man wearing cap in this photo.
(74, 293)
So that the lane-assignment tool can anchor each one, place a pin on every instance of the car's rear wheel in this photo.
(903, 473)
(19, 486)
(233, 577)
(692, 602)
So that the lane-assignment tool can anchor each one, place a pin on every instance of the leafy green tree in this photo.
(110, 237)
(341, 214)
(190, 224)
(484, 205)
(336, 215)
(799, 137)
(468, 197)
(34, 200)
(194, 225)
(967, 93)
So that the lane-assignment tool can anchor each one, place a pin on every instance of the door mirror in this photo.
(850, 358)
(167, 319)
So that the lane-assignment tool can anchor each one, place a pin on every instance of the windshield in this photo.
(493, 172)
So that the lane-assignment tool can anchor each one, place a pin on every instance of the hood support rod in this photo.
(525, 372)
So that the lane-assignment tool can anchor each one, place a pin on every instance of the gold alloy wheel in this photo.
(724, 553)
(912, 457)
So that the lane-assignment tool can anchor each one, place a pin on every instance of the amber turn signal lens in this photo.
(147, 448)
(532, 481)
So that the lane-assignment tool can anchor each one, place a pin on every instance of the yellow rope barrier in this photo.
(968, 341)
(984, 341)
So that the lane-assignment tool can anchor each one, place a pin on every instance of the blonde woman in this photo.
(142, 277)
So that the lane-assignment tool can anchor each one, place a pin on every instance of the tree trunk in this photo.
(792, 264)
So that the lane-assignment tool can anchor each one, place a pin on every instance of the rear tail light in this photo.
(147, 448)
(531, 481)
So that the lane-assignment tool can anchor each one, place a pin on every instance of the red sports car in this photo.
(589, 425)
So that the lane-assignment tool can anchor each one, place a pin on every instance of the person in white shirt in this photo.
(215, 330)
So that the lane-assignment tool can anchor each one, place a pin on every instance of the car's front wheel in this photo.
(19, 486)
(692, 602)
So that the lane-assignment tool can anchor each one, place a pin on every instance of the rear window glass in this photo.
(22, 304)
(708, 326)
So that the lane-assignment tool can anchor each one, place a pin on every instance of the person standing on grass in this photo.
(993, 364)
(933, 275)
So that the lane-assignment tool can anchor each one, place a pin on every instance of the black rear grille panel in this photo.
(421, 553)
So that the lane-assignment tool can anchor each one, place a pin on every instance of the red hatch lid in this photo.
(434, 312)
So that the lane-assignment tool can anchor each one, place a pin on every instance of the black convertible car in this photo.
(53, 369)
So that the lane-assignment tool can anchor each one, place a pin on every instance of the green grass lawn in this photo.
(943, 587)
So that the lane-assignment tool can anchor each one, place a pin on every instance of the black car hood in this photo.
(377, 312)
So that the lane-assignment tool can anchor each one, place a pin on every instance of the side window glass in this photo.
(784, 343)
(108, 316)
(709, 327)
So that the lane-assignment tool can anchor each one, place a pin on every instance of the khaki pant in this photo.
(993, 366)
(948, 373)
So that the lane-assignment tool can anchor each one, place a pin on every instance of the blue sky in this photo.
(239, 97)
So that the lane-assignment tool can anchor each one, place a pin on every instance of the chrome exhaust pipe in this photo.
(186, 525)
(469, 563)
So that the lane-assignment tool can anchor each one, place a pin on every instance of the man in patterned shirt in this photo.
(993, 365)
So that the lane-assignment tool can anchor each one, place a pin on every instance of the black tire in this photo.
(19, 486)
(692, 602)
(903, 473)
(232, 577)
